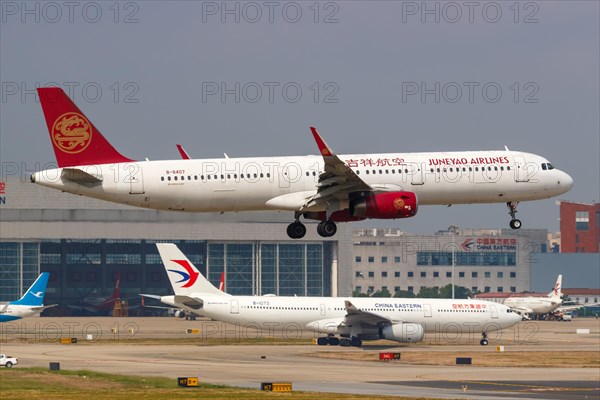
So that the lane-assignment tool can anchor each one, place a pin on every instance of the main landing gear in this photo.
(297, 230)
(344, 342)
(512, 210)
(484, 340)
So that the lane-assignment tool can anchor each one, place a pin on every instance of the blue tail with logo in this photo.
(34, 296)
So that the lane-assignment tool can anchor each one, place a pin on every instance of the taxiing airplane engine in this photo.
(180, 314)
(403, 332)
(388, 205)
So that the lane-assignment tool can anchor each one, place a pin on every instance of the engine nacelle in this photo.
(388, 205)
(403, 332)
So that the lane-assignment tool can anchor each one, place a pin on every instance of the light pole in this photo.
(454, 230)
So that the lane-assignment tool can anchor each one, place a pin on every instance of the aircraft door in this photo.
(323, 310)
(134, 177)
(234, 307)
(427, 309)
(416, 172)
(494, 311)
(522, 173)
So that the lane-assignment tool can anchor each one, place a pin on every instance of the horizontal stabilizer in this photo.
(80, 177)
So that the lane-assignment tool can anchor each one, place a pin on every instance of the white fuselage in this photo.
(324, 314)
(284, 183)
(16, 311)
(537, 305)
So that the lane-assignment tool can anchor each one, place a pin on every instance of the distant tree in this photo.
(356, 293)
(382, 293)
(460, 292)
(404, 294)
(429, 293)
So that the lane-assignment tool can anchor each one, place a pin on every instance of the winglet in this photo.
(184, 154)
(324, 149)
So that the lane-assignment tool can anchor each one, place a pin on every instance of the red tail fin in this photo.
(117, 292)
(222, 282)
(75, 139)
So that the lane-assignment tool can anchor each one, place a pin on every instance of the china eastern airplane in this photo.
(329, 188)
(537, 305)
(354, 319)
(31, 303)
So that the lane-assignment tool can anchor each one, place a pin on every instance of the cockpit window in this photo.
(547, 166)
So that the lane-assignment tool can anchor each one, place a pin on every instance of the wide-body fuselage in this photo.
(284, 183)
(537, 305)
(323, 314)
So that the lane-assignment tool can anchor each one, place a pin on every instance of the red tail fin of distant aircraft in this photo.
(222, 282)
(117, 292)
(75, 139)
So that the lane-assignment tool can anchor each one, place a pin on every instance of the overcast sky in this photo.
(249, 78)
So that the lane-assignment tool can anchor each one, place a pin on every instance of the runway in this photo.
(158, 353)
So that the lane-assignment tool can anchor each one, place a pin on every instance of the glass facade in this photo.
(20, 266)
(464, 258)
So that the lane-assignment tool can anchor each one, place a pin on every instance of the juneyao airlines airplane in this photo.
(537, 305)
(31, 303)
(353, 319)
(330, 188)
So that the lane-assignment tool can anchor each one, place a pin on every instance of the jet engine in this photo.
(387, 205)
(403, 332)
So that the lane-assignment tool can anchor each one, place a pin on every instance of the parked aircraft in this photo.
(329, 188)
(537, 305)
(353, 319)
(31, 303)
(101, 305)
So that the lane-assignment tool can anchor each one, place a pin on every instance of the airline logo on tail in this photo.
(190, 276)
(71, 133)
(557, 288)
(39, 295)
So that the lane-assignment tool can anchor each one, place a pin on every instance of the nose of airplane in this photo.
(566, 181)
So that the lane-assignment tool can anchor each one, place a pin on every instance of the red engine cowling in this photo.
(388, 205)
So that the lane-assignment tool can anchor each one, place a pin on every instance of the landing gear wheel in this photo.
(355, 341)
(333, 341)
(326, 228)
(512, 211)
(345, 342)
(323, 341)
(296, 230)
(484, 341)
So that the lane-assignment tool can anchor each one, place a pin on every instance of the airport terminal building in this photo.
(497, 260)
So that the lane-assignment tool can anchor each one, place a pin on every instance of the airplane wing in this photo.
(337, 181)
(356, 316)
(81, 177)
(522, 310)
